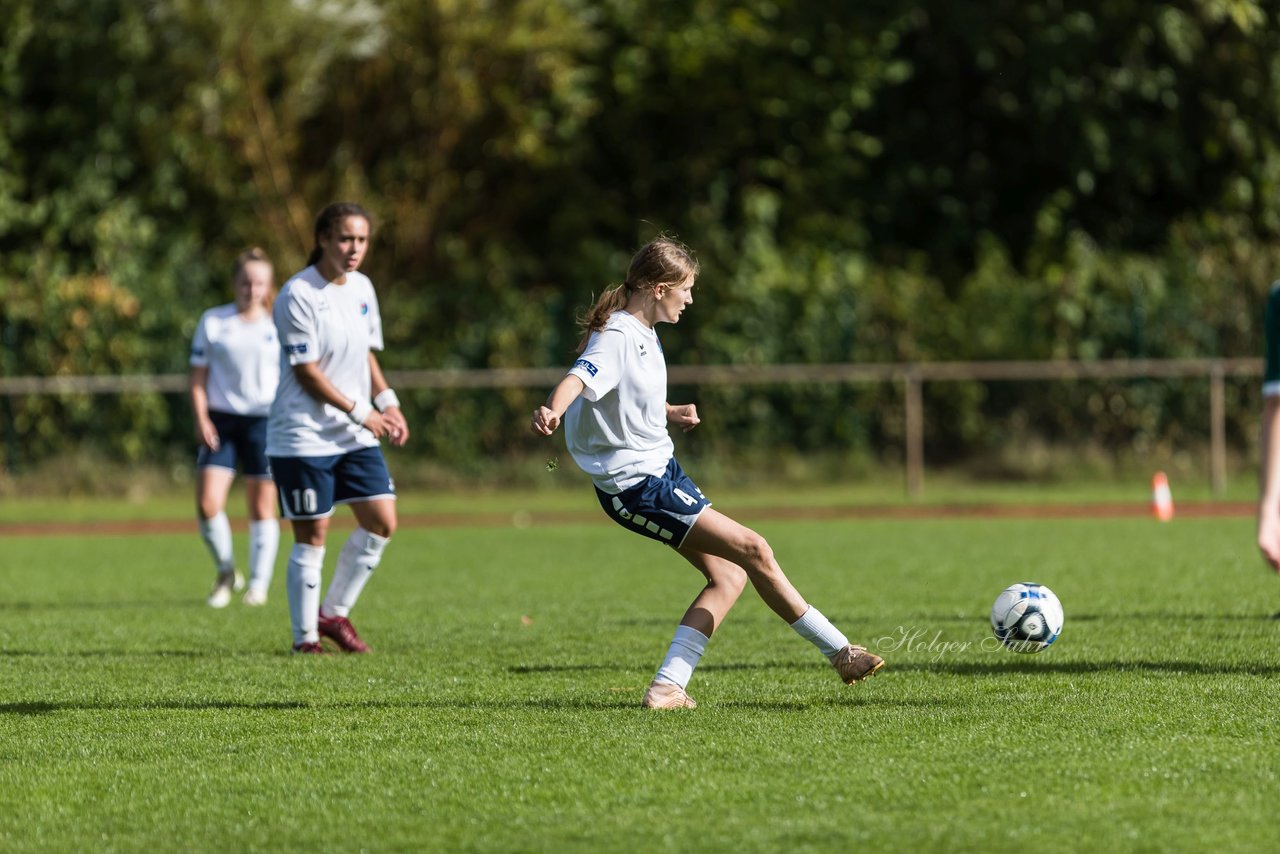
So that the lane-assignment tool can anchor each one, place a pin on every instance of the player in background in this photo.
(613, 403)
(332, 408)
(1269, 439)
(235, 365)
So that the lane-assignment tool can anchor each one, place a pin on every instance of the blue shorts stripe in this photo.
(660, 508)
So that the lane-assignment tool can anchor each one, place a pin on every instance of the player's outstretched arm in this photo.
(546, 418)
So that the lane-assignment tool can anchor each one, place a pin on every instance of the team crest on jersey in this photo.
(364, 308)
(586, 366)
(643, 351)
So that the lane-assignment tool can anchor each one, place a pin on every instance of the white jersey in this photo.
(334, 326)
(616, 431)
(243, 358)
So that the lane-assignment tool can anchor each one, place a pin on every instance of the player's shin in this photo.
(264, 543)
(686, 649)
(216, 533)
(303, 583)
(360, 555)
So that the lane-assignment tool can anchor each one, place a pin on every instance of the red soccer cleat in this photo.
(340, 631)
(308, 648)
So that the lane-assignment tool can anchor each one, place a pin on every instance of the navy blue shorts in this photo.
(311, 486)
(660, 508)
(242, 439)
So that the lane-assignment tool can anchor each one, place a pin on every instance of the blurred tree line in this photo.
(931, 180)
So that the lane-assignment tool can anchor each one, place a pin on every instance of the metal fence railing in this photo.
(911, 375)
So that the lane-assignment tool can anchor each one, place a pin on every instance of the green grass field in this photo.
(499, 711)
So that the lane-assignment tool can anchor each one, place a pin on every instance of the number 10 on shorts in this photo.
(304, 502)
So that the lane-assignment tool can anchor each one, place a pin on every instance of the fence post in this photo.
(914, 428)
(1217, 429)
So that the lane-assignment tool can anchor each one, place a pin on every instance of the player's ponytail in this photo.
(595, 318)
(660, 262)
(328, 218)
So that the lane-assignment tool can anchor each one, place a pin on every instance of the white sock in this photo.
(216, 533)
(817, 630)
(686, 648)
(264, 542)
(357, 560)
(302, 582)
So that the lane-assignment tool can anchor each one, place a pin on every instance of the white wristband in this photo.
(360, 411)
(386, 399)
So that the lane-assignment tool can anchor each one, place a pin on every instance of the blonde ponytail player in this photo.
(613, 404)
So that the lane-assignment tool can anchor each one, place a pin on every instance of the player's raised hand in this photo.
(545, 421)
(685, 416)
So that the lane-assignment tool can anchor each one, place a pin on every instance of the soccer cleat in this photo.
(227, 582)
(254, 597)
(309, 648)
(854, 663)
(220, 596)
(340, 631)
(667, 695)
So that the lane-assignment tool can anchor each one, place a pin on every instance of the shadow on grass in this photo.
(1010, 666)
(115, 653)
(102, 606)
(566, 668)
(1027, 666)
(43, 708)
(625, 703)
(845, 700)
(32, 708)
(526, 669)
(1040, 666)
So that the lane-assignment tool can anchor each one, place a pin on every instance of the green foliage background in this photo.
(1015, 179)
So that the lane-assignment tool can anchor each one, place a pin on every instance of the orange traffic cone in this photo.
(1161, 497)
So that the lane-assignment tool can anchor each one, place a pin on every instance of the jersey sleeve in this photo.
(1271, 375)
(375, 321)
(296, 326)
(600, 365)
(200, 343)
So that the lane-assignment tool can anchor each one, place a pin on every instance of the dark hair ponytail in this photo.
(331, 216)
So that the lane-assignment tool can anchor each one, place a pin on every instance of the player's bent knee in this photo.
(383, 528)
(757, 555)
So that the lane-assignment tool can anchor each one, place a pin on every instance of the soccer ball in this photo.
(1026, 617)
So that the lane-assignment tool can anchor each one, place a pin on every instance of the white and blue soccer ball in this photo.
(1026, 617)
